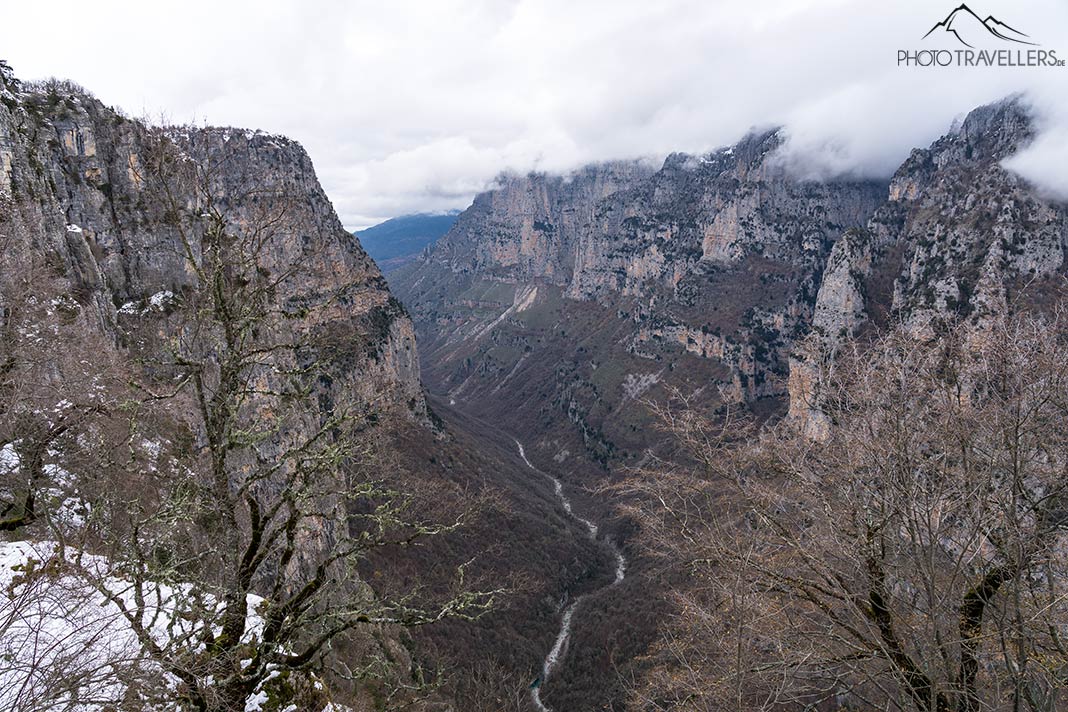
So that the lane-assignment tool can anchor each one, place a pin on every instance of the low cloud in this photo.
(1045, 162)
(416, 106)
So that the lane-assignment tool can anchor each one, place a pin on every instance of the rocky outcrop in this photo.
(82, 187)
(529, 228)
(98, 207)
(728, 259)
(838, 314)
(83, 200)
(960, 237)
(706, 269)
(715, 211)
(624, 229)
(969, 223)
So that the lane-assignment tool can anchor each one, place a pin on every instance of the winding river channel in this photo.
(552, 659)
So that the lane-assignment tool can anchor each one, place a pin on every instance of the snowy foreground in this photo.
(64, 646)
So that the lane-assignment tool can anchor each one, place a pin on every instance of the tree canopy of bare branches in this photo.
(912, 560)
(229, 470)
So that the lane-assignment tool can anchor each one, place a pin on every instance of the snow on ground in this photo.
(157, 303)
(55, 633)
(160, 300)
(65, 642)
(63, 645)
(9, 459)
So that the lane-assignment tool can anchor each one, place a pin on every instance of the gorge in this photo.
(561, 307)
(552, 659)
(213, 396)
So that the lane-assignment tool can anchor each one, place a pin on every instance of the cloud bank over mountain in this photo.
(482, 86)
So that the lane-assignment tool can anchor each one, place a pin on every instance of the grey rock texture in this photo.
(971, 226)
(79, 199)
(530, 228)
(726, 268)
(557, 305)
(715, 211)
(960, 237)
(699, 275)
(78, 188)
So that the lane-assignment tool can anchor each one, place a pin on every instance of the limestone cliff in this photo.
(698, 275)
(84, 210)
(960, 237)
(76, 181)
(83, 201)
(528, 229)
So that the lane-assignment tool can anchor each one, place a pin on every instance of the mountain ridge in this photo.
(396, 241)
(718, 282)
(78, 197)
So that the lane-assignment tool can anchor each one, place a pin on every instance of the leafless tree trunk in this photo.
(230, 492)
(914, 560)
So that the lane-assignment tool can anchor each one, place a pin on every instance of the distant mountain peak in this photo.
(399, 240)
(962, 23)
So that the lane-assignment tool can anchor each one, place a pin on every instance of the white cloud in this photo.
(408, 106)
(1045, 162)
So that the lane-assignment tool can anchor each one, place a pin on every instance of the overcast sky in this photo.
(416, 106)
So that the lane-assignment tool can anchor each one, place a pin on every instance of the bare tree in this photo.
(49, 390)
(914, 560)
(272, 498)
(57, 381)
(490, 687)
(228, 475)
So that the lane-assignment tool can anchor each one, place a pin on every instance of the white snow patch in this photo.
(9, 459)
(636, 384)
(256, 701)
(58, 475)
(64, 644)
(152, 448)
(160, 300)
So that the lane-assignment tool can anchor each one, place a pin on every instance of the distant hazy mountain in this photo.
(398, 240)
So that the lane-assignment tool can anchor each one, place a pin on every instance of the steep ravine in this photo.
(567, 619)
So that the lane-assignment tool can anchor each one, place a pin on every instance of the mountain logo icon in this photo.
(968, 28)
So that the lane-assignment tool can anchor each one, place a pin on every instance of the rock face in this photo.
(557, 304)
(972, 228)
(530, 229)
(625, 229)
(698, 275)
(76, 177)
(716, 211)
(724, 268)
(959, 237)
(838, 314)
(81, 202)
(79, 197)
